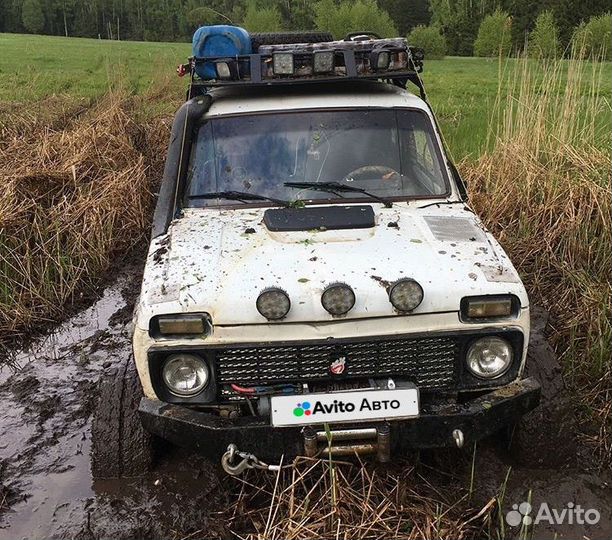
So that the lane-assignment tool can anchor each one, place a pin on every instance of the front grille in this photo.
(429, 362)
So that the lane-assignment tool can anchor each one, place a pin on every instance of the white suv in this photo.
(314, 264)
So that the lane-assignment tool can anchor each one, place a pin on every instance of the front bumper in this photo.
(210, 434)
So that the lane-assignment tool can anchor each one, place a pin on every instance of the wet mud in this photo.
(545, 460)
(48, 391)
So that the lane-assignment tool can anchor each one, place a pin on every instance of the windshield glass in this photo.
(390, 153)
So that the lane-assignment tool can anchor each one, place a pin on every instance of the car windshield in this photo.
(388, 153)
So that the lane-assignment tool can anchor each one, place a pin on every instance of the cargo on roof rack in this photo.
(391, 59)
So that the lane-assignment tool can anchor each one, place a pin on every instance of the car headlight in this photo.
(185, 374)
(273, 304)
(338, 298)
(405, 294)
(489, 357)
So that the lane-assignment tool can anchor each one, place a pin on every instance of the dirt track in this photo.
(46, 489)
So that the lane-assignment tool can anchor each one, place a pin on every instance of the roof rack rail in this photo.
(285, 64)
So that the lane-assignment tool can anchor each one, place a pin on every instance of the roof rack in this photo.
(284, 64)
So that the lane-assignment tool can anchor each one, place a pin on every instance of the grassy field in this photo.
(463, 91)
(33, 67)
(469, 96)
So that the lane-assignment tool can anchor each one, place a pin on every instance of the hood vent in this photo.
(325, 218)
(454, 229)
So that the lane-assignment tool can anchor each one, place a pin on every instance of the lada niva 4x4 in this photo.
(316, 281)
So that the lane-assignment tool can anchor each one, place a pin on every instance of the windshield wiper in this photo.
(335, 187)
(241, 196)
(441, 202)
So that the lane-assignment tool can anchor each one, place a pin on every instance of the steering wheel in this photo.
(377, 171)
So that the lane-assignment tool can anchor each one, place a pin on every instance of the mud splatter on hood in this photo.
(218, 261)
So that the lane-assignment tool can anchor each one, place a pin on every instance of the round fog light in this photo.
(405, 294)
(273, 304)
(489, 357)
(185, 374)
(338, 298)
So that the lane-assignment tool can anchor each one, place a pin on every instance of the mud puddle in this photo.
(48, 393)
(46, 491)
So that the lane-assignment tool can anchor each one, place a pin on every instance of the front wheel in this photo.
(120, 445)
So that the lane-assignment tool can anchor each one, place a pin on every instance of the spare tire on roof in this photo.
(282, 38)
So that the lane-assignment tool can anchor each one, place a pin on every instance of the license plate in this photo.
(355, 406)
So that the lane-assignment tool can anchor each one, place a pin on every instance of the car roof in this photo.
(244, 99)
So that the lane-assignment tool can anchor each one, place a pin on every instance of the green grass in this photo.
(462, 91)
(34, 67)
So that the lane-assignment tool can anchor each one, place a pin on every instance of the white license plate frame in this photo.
(334, 407)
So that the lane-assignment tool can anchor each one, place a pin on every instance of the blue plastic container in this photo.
(218, 40)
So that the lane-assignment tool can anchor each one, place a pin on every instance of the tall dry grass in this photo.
(321, 498)
(76, 194)
(544, 190)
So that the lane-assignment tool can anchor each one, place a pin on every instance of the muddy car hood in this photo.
(218, 261)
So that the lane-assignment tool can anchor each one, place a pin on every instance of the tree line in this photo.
(458, 21)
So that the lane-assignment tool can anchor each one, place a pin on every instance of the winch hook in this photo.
(247, 461)
(228, 461)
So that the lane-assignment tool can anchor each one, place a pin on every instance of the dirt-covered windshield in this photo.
(390, 153)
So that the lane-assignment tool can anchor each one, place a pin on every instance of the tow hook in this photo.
(235, 462)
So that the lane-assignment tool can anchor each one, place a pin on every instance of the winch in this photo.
(376, 440)
(358, 441)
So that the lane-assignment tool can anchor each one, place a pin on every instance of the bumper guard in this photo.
(436, 426)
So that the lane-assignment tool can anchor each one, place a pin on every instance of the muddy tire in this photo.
(120, 445)
(283, 38)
